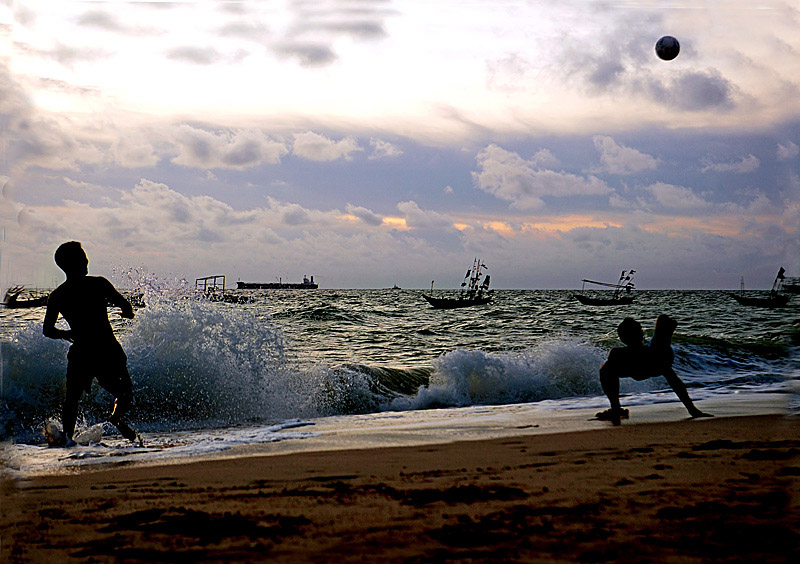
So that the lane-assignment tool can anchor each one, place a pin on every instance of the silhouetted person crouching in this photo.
(95, 352)
(639, 361)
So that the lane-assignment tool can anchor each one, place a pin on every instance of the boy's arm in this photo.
(118, 300)
(49, 326)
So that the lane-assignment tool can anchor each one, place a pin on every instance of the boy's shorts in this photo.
(107, 362)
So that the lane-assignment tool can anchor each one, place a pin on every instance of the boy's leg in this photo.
(120, 386)
(609, 380)
(69, 412)
(680, 390)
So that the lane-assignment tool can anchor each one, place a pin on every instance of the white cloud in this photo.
(233, 149)
(367, 216)
(544, 158)
(448, 190)
(788, 151)
(676, 197)
(382, 149)
(316, 147)
(416, 218)
(619, 159)
(747, 164)
(509, 177)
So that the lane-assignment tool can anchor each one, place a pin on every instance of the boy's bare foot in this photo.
(125, 430)
(697, 414)
(613, 415)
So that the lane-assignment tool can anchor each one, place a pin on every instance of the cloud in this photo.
(448, 190)
(105, 21)
(383, 149)
(295, 214)
(315, 27)
(676, 197)
(508, 176)
(316, 147)
(239, 149)
(618, 159)
(417, 218)
(788, 151)
(695, 91)
(309, 54)
(367, 216)
(508, 74)
(544, 158)
(745, 165)
(195, 55)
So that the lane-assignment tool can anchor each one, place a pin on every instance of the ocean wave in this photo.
(198, 364)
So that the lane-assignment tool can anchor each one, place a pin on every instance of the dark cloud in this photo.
(366, 215)
(252, 31)
(359, 30)
(106, 21)
(308, 54)
(605, 74)
(698, 90)
(195, 55)
(100, 20)
(317, 25)
(296, 216)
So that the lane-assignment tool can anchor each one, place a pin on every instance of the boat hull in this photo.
(588, 300)
(24, 304)
(454, 303)
(772, 301)
(275, 286)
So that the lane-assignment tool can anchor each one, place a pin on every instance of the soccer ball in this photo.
(667, 48)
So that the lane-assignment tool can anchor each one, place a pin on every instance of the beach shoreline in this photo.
(724, 488)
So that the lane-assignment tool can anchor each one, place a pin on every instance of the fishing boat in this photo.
(775, 299)
(622, 294)
(473, 290)
(212, 288)
(791, 286)
(11, 299)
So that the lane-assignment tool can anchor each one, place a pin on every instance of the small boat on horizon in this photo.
(622, 291)
(775, 299)
(473, 291)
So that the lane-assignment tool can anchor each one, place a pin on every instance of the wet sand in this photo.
(722, 489)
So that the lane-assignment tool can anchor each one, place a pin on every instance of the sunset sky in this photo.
(378, 142)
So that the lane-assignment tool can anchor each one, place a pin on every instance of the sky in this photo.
(376, 142)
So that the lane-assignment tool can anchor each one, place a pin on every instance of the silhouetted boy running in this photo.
(95, 352)
(637, 361)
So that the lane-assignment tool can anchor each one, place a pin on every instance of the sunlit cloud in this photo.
(510, 177)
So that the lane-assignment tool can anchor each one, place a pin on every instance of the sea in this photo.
(294, 369)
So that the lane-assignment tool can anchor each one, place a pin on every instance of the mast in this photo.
(776, 285)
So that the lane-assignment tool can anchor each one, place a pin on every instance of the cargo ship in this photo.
(306, 284)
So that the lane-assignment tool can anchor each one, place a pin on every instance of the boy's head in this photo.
(71, 258)
(630, 331)
(665, 324)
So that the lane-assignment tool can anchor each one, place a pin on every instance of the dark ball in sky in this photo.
(667, 48)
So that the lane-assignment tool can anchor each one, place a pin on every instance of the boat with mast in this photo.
(11, 299)
(474, 291)
(775, 298)
(622, 294)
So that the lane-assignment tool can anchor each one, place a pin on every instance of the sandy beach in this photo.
(723, 490)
